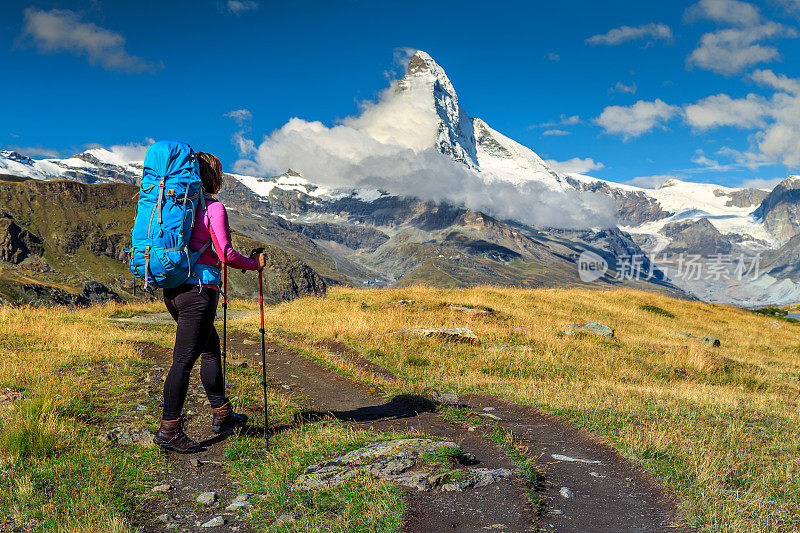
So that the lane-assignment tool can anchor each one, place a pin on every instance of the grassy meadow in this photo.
(69, 375)
(718, 425)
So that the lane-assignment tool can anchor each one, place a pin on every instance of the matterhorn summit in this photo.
(472, 142)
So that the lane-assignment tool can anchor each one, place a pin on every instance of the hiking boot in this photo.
(171, 436)
(226, 420)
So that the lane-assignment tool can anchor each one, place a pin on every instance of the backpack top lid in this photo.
(172, 160)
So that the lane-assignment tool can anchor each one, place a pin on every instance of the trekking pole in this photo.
(224, 318)
(263, 358)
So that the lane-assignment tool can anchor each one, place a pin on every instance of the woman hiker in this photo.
(193, 305)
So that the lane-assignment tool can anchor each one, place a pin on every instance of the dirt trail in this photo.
(609, 495)
(189, 474)
(322, 392)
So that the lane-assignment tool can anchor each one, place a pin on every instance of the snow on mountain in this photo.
(472, 142)
(91, 166)
(288, 181)
(686, 200)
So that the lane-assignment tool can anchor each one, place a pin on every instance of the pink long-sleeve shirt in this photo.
(212, 223)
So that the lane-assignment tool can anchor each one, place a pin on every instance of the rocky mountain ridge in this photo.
(375, 238)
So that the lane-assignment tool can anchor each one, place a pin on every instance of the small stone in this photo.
(448, 334)
(236, 506)
(241, 497)
(489, 415)
(240, 363)
(412, 480)
(164, 518)
(285, 386)
(488, 408)
(557, 512)
(283, 520)
(566, 493)
(128, 435)
(293, 376)
(214, 522)
(593, 328)
(207, 498)
(628, 479)
(141, 408)
(196, 462)
(471, 428)
(595, 474)
(444, 398)
(166, 487)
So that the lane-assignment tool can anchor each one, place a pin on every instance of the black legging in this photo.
(194, 311)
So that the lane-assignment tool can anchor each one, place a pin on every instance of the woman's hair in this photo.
(210, 172)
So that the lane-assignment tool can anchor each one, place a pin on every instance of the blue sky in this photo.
(699, 90)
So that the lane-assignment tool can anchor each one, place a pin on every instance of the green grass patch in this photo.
(360, 504)
(656, 310)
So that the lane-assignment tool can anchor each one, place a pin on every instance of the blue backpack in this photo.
(170, 193)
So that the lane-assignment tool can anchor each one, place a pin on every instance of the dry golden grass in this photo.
(63, 368)
(718, 425)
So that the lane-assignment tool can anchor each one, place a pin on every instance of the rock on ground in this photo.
(444, 398)
(450, 334)
(713, 341)
(207, 498)
(394, 461)
(283, 520)
(478, 477)
(592, 328)
(128, 435)
(214, 522)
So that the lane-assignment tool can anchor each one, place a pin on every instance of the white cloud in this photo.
(732, 50)
(237, 7)
(633, 121)
(761, 183)
(779, 82)
(61, 30)
(775, 119)
(552, 56)
(722, 110)
(622, 88)
(242, 117)
(123, 153)
(622, 34)
(34, 151)
(727, 11)
(576, 165)
(563, 120)
(556, 133)
(651, 182)
(391, 146)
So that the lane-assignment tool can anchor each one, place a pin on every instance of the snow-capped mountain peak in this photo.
(472, 142)
(423, 65)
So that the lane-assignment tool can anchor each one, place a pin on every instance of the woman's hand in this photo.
(260, 258)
